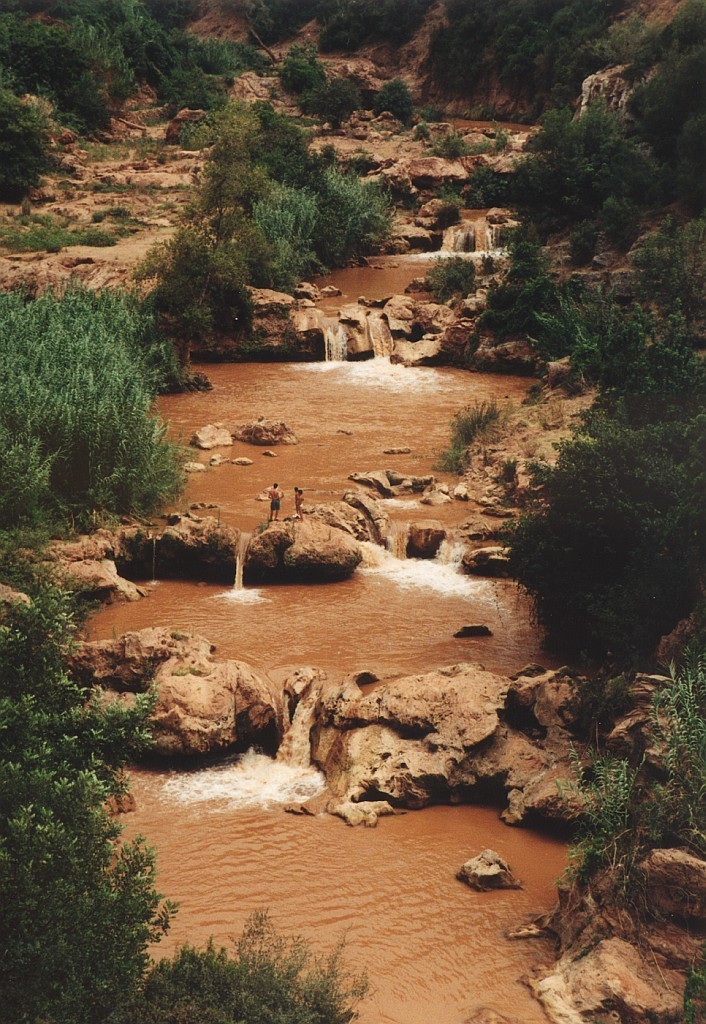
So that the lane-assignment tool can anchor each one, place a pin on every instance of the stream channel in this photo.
(433, 950)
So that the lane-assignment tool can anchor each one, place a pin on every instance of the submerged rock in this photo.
(487, 871)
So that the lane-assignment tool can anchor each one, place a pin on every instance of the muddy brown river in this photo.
(433, 950)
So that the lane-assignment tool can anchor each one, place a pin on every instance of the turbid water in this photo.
(433, 949)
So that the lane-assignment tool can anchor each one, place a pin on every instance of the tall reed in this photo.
(77, 379)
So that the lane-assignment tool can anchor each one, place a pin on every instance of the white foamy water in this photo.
(247, 595)
(254, 780)
(381, 373)
(431, 573)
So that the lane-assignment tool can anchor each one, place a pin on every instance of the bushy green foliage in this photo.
(451, 277)
(23, 146)
(671, 270)
(539, 50)
(79, 906)
(243, 228)
(612, 552)
(449, 145)
(267, 978)
(301, 70)
(468, 425)
(396, 98)
(333, 101)
(348, 24)
(35, 232)
(77, 380)
(671, 106)
(526, 290)
(695, 993)
(626, 813)
(582, 242)
(579, 165)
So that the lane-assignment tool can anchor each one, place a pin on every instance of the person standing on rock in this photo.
(275, 496)
(298, 499)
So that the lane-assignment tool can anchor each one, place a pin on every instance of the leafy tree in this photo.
(268, 978)
(79, 904)
(301, 69)
(23, 146)
(671, 269)
(396, 98)
(333, 102)
(526, 291)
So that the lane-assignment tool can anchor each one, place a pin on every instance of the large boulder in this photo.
(213, 435)
(196, 548)
(612, 980)
(306, 550)
(676, 883)
(424, 538)
(100, 579)
(487, 871)
(172, 134)
(265, 433)
(203, 705)
(488, 561)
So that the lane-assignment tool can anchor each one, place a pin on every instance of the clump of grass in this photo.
(77, 381)
(468, 425)
(37, 233)
(450, 145)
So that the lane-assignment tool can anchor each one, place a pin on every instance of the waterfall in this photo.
(451, 551)
(379, 336)
(493, 232)
(459, 238)
(295, 748)
(240, 556)
(154, 559)
(396, 540)
(336, 343)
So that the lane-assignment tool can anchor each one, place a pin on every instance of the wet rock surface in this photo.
(307, 550)
(487, 871)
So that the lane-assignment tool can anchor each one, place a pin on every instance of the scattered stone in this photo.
(330, 291)
(348, 433)
(265, 432)
(214, 435)
(397, 451)
(460, 492)
(270, 454)
(194, 467)
(306, 290)
(217, 460)
(488, 871)
(490, 561)
(196, 505)
(475, 630)
(242, 460)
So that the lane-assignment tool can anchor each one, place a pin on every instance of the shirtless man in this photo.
(275, 496)
(298, 499)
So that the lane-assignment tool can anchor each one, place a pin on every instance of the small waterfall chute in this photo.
(459, 238)
(240, 557)
(336, 343)
(493, 237)
(397, 538)
(295, 748)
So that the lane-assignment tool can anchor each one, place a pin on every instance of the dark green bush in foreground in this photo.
(267, 979)
(77, 380)
(23, 146)
(78, 911)
(451, 277)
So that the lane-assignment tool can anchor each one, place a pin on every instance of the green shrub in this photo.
(267, 978)
(76, 388)
(350, 24)
(671, 270)
(396, 98)
(78, 901)
(288, 220)
(301, 70)
(451, 277)
(24, 137)
(353, 217)
(334, 102)
(582, 242)
(619, 219)
(527, 290)
(470, 424)
(450, 145)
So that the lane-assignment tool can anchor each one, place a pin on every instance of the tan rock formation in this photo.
(214, 435)
(265, 432)
(487, 871)
(308, 550)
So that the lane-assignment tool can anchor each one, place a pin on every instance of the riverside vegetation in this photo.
(611, 546)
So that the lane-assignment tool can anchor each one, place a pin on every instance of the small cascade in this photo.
(451, 551)
(379, 336)
(241, 555)
(396, 540)
(336, 341)
(459, 238)
(154, 559)
(493, 233)
(295, 748)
